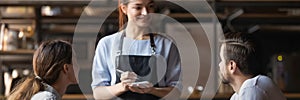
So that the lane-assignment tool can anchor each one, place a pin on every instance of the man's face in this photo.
(224, 73)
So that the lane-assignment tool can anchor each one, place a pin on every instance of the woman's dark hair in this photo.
(48, 61)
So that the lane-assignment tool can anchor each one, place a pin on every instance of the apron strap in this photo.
(153, 47)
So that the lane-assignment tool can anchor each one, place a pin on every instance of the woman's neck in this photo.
(136, 32)
(60, 87)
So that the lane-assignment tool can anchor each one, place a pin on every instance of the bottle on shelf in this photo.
(22, 36)
(2, 30)
(8, 39)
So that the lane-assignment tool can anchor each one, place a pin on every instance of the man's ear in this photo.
(66, 68)
(232, 67)
(124, 9)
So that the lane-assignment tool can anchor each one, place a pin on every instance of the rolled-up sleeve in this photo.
(173, 75)
(100, 71)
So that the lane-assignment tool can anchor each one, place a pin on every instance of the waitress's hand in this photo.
(127, 78)
(141, 87)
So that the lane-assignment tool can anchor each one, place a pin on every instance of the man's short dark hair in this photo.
(240, 48)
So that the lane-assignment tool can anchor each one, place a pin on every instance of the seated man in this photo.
(238, 68)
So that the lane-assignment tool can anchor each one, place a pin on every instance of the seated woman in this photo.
(54, 69)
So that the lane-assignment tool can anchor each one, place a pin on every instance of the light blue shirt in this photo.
(258, 88)
(104, 70)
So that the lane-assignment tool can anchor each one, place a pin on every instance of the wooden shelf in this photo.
(223, 16)
(292, 95)
(258, 0)
(217, 96)
(17, 52)
(77, 97)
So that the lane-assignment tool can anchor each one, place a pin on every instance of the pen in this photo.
(120, 71)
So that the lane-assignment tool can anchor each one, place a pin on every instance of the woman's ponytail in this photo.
(26, 88)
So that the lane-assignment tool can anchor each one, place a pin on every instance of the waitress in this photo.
(117, 67)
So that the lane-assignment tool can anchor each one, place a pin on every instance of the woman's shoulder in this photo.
(45, 95)
(164, 37)
(110, 37)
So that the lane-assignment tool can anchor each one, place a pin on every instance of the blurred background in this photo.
(24, 24)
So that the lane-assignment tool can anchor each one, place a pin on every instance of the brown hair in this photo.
(48, 61)
(122, 16)
(241, 48)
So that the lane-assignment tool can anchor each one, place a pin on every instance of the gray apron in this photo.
(143, 66)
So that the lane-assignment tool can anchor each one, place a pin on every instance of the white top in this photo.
(49, 94)
(259, 88)
(104, 70)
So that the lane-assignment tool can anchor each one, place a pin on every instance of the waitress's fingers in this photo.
(132, 75)
(147, 90)
(128, 75)
(127, 81)
(135, 89)
(128, 78)
(145, 84)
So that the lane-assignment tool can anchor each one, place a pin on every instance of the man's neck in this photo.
(238, 82)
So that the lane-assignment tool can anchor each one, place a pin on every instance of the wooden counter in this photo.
(193, 96)
(218, 96)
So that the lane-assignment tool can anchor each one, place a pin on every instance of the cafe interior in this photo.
(24, 24)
